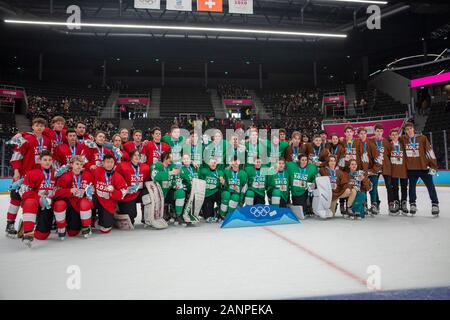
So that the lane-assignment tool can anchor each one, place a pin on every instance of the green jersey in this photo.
(300, 177)
(236, 182)
(279, 180)
(212, 179)
(257, 180)
(187, 174)
(195, 152)
(176, 147)
(217, 151)
(256, 150)
(160, 175)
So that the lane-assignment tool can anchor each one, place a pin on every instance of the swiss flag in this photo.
(209, 5)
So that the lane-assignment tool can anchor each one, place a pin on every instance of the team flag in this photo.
(209, 5)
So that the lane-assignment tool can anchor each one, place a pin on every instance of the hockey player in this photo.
(257, 183)
(175, 141)
(155, 148)
(119, 154)
(217, 149)
(255, 148)
(324, 139)
(214, 182)
(37, 192)
(292, 152)
(317, 152)
(64, 153)
(421, 163)
(73, 200)
(283, 136)
(337, 149)
(194, 148)
(278, 185)
(96, 154)
(24, 159)
(188, 173)
(80, 129)
(366, 156)
(235, 188)
(236, 149)
(167, 175)
(383, 162)
(136, 144)
(340, 185)
(301, 180)
(110, 187)
(135, 174)
(124, 135)
(349, 146)
(277, 149)
(361, 184)
(399, 172)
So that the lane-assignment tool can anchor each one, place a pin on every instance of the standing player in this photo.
(421, 163)
(277, 149)
(175, 141)
(217, 149)
(317, 152)
(384, 167)
(37, 191)
(124, 135)
(155, 148)
(214, 181)
(80, 129)
(235, 188)
(73, 201)
(136, 144)
(278, 185)
(95, 155)
(110, 187)
(24, 159)
(64, 153)
(399, 172)
(118, 152)
(293, 151)
(337, 149)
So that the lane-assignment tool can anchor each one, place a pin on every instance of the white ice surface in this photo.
(206, 262)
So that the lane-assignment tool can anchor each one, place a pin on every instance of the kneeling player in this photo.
(73, 202)
(37, 192)
(340, 185)
(110, 187)
(256, 193)
(135, 174)
(168, 177)
(214, 181)
(278, 185)
(361, 184)
(235, 188)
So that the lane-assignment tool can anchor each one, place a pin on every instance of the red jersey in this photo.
(26, 158)
(86, 136)
(154, 150)
(37, 183)
(102, 180)
(68, 181)
(64, 153)
(94, 156)
(130, 146)
(55, 137)
(134, 175)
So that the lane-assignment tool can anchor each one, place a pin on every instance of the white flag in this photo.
(240, 6)
(179, 5)
(147, 4)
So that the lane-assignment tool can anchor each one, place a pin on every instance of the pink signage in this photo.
(243, 102)
(12, 93)
(333, 99)
(425, 81)
(369, 125)
(128, 100)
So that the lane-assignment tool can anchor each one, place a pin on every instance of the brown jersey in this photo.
(419, 153)
(366, 154)
(316, 154)
(349, 152)
(398, 160)
(383, 160)
(339, 180)
(338, 150)
(291, 153)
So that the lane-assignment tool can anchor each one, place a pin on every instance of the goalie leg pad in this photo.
(322, 198)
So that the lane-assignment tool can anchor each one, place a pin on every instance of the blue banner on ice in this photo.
(259, 215)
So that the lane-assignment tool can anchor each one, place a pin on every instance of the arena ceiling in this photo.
(405, 26)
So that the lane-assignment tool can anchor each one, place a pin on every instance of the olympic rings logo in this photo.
(260, 211)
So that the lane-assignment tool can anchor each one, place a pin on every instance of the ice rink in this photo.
(312, 259)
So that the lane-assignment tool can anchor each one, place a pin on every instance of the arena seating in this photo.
(7, 129)
(229, 90)
(437, 121)
(185, 100)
